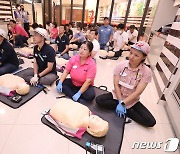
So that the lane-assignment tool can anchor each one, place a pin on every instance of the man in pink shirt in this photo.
(20, 36)
(130, 79)
(82, 69)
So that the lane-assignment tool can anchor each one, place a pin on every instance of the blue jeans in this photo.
(102, 46)
(8, 68)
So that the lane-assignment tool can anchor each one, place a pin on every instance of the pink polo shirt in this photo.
(19, 31)
(79, 73)
(129, 79)
(54, 33)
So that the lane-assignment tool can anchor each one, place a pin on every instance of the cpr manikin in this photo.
(77, 116)
(10, 82)
(25, 51)
(61, 62)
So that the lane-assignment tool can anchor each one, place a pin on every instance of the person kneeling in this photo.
(44, 67)
(82, 69)
(8, 58)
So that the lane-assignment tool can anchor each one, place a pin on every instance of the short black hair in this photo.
(35, 25)
(132, 27)
(106, 18)
(80, 27)
(62, 26)
(89, 45)
(40, 26)
(13, 21)
(93, 30)
(67, 25)
(121, 26)
(55, 24)
(17, 5)
(48, 23)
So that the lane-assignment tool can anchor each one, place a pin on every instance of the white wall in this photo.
(165, 14)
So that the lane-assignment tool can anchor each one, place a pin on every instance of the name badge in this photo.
(75, 66)
(124, 74)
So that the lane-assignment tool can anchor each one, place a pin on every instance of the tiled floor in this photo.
(21, 131)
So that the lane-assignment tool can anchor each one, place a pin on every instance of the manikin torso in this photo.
(13, 82)
(72, 114)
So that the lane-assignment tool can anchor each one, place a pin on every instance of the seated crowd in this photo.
(130, 77)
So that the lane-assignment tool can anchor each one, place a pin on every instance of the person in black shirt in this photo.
(62, 43)
(44, 66)
(69, 32)
(8, 58)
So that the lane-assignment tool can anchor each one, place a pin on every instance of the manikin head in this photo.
(23, 89)
(97, 127)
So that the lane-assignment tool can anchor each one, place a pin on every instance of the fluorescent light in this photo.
(29, 1)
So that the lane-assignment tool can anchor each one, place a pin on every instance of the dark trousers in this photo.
(26, 28)
(8, 68)
(48, 79)
(69, 90)
(118, 53)
(130, 43)
(77, 43)
(20, 40)
(139, 113)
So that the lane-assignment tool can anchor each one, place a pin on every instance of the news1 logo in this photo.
(171, 145)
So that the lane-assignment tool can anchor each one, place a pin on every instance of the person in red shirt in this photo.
(53, 32)
(20, 36)
(82, 70)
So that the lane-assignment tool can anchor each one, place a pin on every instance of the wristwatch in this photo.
(123, 103)
(38, 76)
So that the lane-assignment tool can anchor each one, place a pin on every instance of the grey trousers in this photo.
(45, 80)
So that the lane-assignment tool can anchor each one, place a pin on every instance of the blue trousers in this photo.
(8, 68)
(69, 90)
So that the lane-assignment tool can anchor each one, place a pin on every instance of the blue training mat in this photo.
(113, 140)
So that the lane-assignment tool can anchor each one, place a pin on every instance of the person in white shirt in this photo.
(120, 38)
(96, 46)
(132, 35)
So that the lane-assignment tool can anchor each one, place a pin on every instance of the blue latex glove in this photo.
(59, 87)
(120, 109)
(76, 96)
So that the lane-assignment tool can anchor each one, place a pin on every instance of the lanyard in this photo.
(137, 72)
